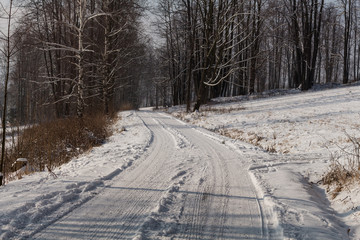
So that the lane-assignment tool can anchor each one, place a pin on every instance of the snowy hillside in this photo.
(301, 131)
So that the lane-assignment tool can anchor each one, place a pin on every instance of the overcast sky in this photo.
(2, 21)
(3, 15)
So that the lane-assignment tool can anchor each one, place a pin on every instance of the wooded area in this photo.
(75, 57)
(63, 58)
(231, 47)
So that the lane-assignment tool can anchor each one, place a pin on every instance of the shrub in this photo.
(54, 143)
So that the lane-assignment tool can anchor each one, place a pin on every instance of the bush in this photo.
(54, 143)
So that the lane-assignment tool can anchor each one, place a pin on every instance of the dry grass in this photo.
(345, 167)
(204, 112)
(249, 137)
(338, 177)
(221, 110)
(52, 144)
(180, 115)
(127, 107)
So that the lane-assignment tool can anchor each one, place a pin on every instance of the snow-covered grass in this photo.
(301, 132)
(33, 202)
(277, 123)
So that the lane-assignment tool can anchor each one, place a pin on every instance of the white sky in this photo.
(2, 21)
(4, 17)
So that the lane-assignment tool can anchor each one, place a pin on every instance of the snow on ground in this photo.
(289, 141)
(301, 131)
(34, 202)
(277, 124)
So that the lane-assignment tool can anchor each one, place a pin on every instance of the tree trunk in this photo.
(80, 55)
(4, 113)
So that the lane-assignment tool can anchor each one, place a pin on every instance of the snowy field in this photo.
(301, 131)
(254, 174)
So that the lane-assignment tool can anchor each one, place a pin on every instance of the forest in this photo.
(71, 58)
(229, 48)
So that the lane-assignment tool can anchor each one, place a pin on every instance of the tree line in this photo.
(67, 58)
(74, 57)
(236, 47)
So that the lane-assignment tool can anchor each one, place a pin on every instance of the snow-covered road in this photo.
(165, 179)
(185, 186)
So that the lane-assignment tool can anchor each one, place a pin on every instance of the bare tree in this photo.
(116, 53)
(331, 43)
(306, 20)
(347, 12)
(7, 52)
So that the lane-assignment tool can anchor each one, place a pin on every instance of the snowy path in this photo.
(185, 186)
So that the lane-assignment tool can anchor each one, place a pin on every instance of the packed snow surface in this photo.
(252, 176)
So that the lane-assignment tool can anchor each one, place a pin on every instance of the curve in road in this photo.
(186, 186)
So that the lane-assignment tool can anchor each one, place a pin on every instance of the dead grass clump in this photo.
(181, 116)
(231, 133)
(344, 168)
(52, 144)
(338, 177)
(250, 137)
(271, 149)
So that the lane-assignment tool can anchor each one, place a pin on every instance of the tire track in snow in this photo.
(137, 190)
(220, 139)
(160, 215)
(219, 193)
(134, 211)
(171, 192)
(44, 210)
(55, 205)
(219, 176)
(180, 140)
(225, 191)
(196, 222)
